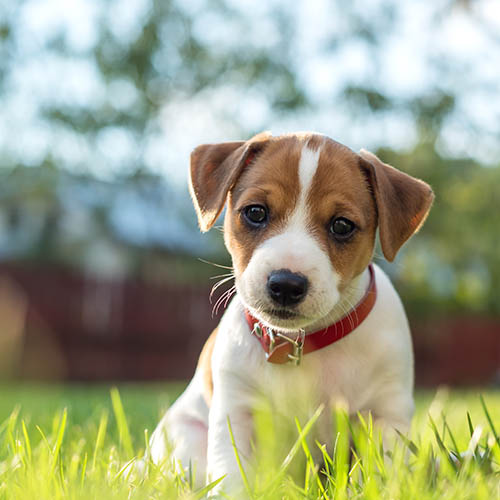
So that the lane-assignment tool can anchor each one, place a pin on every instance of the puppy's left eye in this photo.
(255, 215)
(341, 228)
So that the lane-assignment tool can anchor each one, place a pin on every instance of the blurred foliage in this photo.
(166, 57)
(453, 264)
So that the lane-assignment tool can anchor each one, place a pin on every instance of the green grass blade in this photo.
(60, 436)
(295, 448)
(200, 493)
(469, 422)
(101, 433)
(311, 467)
(452, 437)
(490, 420)
(84, 471)
(44, 438)
(9, 431)
(127, 467)
(442, 446)
(147, 451)
(27, 441)
(121, 422)
(238, 460)
(341, 453)
(408, 442)
(298, 443)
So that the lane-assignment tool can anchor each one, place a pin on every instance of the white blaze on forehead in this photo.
(308, 165)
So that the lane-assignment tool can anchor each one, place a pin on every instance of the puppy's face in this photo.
(300, 225)
(302, 213)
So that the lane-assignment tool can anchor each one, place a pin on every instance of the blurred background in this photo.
(102, 102)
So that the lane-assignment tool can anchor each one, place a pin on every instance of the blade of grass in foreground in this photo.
(490, 420)
(471, 427)
(59, 440)
(203, 491)
(408, 443)
(27, 442)
(441, 445)
(101, 433)
(293, 451)
(341, 453)
(238, 460)
(84, 471)
(311, 467)
(121, 422)
(10, 426)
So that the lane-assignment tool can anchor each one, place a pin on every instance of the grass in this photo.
(76, 442)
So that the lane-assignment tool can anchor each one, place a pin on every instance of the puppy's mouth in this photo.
(282, 313)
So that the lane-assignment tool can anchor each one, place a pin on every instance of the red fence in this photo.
(457, 351)
(83, 328)
(79, 327)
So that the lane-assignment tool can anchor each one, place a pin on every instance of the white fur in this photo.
(308, 164)
(370, 369)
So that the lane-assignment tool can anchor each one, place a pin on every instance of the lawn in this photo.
(75, 442)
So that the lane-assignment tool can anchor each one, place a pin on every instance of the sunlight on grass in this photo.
(78, 443)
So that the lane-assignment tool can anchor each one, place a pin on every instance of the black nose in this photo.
(286, 288)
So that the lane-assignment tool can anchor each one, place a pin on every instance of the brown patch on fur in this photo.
(403, 202)
(205, 367)
(273, 181)
(339, 189)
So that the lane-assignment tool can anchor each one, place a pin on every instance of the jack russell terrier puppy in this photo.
(313, 320)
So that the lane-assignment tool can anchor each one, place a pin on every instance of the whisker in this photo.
(233, 291)
(220, 276)
(218, 284)
(350, 312)
(222, 281)
(214, 312)
(214, 264)
(225, 296)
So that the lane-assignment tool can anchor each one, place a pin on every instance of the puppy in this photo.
(313, 321)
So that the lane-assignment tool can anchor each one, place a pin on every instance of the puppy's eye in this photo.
(341, 228)
(255, 215)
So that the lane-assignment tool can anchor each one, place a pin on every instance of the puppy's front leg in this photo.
(230, 401)
(393, 412)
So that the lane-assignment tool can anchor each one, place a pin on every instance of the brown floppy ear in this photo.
(403, 202)
(214, 170)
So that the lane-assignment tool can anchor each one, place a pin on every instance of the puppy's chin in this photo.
(284, 320)
(280, 319)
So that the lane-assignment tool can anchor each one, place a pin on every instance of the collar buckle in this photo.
(297, 345)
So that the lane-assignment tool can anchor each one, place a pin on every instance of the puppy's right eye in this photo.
(255, 215)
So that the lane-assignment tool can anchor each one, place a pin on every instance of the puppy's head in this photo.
(302, 213)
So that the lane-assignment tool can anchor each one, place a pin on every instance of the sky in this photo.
(463, 41)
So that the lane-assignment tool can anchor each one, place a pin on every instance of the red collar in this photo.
(280, 349)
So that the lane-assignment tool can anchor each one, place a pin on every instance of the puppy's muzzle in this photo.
(286, 288)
